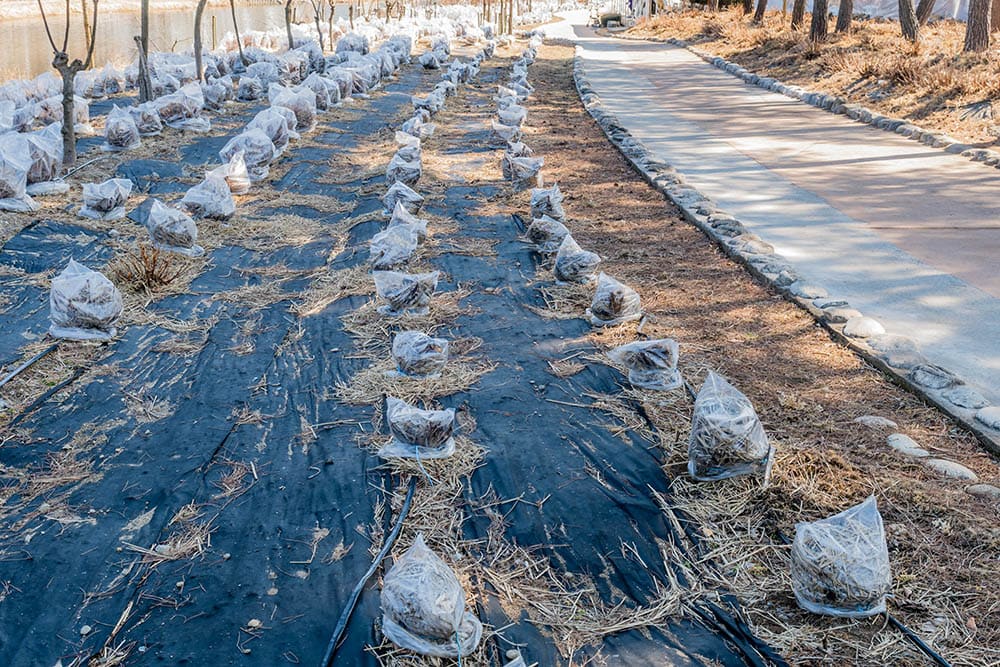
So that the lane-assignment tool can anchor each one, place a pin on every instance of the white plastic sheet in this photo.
(107, 200)
(83, 304)
(172, 229)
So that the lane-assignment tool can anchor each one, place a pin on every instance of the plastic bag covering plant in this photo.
(405, 139)
(321, 90)
(120, 131)
(181, 110)
(210, 199)
(651, 364)
(83, 304)
(353, 42)
(173, 230)
(215, 94)
(429, 60)
(403, 218)
(418, 127)
(416, 433)
(257, 149)
(727, 438)
(613, 303)
(547, 233)
(264, 72)
(446, 87)
(405, 292)
(547, 201)
(418, 354)
(504, 134)
(15, 163)
(402, 170)
(250, 89)
(235, 172)
(106, 201)
(520, 169)
(423, 606)
(519, 149)
(302, 102)
(574, 264)
(513, 115)
(433, 102)
(147, 119)
(392, 247)
(46, 150)
(840, 565)
(401, 193)
(274, 125)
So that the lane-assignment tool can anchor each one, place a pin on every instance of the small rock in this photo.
(85, 630)
(965, 397)
(897, 351)
(513, 654)
(254, 623)
(951, 469)
(862, 327)
(984, 491)
(989, 416)
(785, 278)
(807, 291)
(840, 314)
(828, 302)
(932, 377)
(905, 445)
(873, 421)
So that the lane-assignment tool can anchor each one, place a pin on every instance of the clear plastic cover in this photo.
(423, 606)
(513, 115)
(120, 131)
(613, 303)
(574, 264)
(547, 201)
(547, 233)
(727, 438)
(15, 163)
(417, 433)
(402, 170)
(418, 127)
(181, 110)
(235, 172)
(405, 292)
(519, 169)
(83, 304)
(840, 565)
(173, 230)
(274, 125)
(401, 193)
(210, 199)
(45, 147)
(258, 151)
(302, 102)
(407, 139)
(392, 247)
(402, 217)
(519, 149)
(147, 119)
(504, 134)
(250, 89)
(106, 201)
(429, 60)
(418, 354)
(651, 364)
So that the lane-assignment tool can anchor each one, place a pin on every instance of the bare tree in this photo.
(198, 12)
(995, 19)
(330, 16)
(142, 42)
(317, 6)
(713, 5)
(819, 26)
(758, 16)
(236, 29)
(288, 24)
(86, 24)
(924, 10)
(798, 14)
(977, 26)
(747, 6)
(845, 16)
(908, 20)
(68, 70)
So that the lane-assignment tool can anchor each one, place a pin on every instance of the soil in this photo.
(932, 83)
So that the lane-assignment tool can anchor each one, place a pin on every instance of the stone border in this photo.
(896, 356)
(836, 105)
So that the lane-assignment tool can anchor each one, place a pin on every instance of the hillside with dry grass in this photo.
(931, 83)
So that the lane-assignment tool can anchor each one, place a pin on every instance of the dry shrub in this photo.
(145, 270)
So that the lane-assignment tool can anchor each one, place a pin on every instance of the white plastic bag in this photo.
(547, 201)
(840, 565)
(519, 149)
(429, 60)
(402, 170)
(210, 199)
(406, 139)
(106, 201)
(173, 230)
(302, 102)
(504, 134)
(416, 433)
(547, 233)
(514, 115)
(613, 303)
(46, 149)
(651, 364)
(574, 264)
(520, 169)
(274, 125)
(402, 217)
(405, 292)
(250, 89)
(15, 163)
(392, 247)
(401, 193)
(181, 110)
(418, 127)
(418, 354)
(235, 172)
(147, 119)
(120, 131)
(727, 438)
(83, 304)
(257, 149)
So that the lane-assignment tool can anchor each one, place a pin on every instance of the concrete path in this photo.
(907, 234)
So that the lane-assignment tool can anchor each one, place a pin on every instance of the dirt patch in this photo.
(807, 390)
(932, 84)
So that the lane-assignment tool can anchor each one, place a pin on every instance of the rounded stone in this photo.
(863, 327)
(895, 350)
(989, 416)
(965, 397)
(807, 291)
(906, 445)
(951, 469)
(984, 491)
(932, 377)
(840, 314)
(875, 422)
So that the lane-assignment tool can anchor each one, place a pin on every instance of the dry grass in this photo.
(932, 84)
(370, 328)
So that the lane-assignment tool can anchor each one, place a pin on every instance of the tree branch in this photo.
(48, 32)
(66, 34)
(93, 40)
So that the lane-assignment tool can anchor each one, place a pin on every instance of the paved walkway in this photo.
(907, 234)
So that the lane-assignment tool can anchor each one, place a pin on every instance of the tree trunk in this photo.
(977, 26)
(142, 44)
(747, 6)
(236, 29)
(908, 20)
(845, 16)
(317, 10)
(758, 16)
(288, 24)
(713, 5)
(86, 24)
(818, 27)
(68, 74)
(924, 10)
(798, 14)
(995, 19)
(197, 39)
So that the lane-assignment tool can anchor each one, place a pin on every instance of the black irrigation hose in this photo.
(44, 397)
(26, 365)
(345, 616)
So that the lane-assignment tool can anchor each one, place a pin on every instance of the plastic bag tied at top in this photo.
(405, 292)
(418, 354)
(417, 433)
(392, 247)
(613, 303)
(651, 364)
(573, 264)
(840, 565)
(106, 201)
(83, 304)
(173, 230)
(546, 233)
(547, 201)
